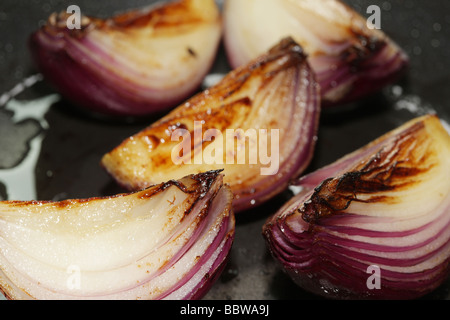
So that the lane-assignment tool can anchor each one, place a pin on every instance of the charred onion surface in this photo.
(385, 207)
(274, 94)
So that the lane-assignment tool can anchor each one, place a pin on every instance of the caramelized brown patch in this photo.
(192, 52)
(202, 184)
(57, 24)
(176, 14)
(171, 14)
(149, 193)
(362, 50)
(287, 54)
(216, 106)
(220, 118)
(227, 105)
(59, 204)
(397, 165)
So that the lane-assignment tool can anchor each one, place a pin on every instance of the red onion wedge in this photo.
(136, 63)
(350, 59)
(170, 241)
(258, 124)
(376, 223)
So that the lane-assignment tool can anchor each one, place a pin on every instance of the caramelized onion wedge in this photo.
(136, 63)
(375, 224)
(169, 241)
(350, 59)
(258, 123)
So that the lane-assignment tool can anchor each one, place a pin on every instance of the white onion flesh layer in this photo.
(166, 242)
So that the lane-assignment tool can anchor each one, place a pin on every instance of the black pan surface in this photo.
(66, 165)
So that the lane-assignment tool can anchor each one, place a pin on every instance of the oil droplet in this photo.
(437, 27)
(386, 6)
(435, 43)
(415, 33)
(396, 92)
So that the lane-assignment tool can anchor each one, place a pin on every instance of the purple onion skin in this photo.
(81, 88)
(225, 235)
(366, 69)
(327, 249)
(211, 278)
(349, 284)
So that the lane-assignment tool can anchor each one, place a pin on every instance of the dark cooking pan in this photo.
(67, 163)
